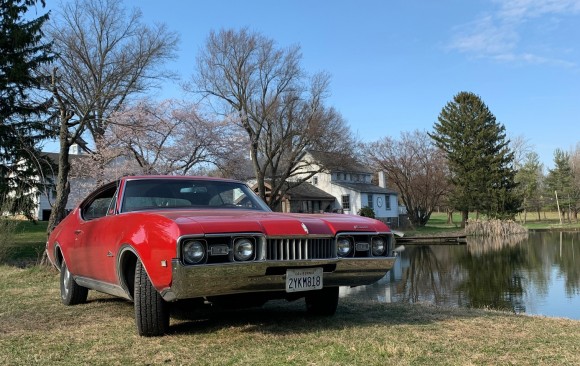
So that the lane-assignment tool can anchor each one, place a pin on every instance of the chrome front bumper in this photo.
(247, 277)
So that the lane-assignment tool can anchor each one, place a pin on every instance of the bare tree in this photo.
(69, 131)
(418, 170)
(575, 165)
(521, 147)
(105, 56)
(168, 137)
(243, 74)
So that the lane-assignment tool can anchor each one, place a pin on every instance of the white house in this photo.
(79, 187)
(80, 180)
(350, 184)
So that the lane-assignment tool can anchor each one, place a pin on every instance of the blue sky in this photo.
(395, 64)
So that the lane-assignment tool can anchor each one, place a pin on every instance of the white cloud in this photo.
(519, 10)
(497, 34)
(485, 36)
(532, 59)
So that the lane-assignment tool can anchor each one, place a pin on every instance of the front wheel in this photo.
(71, 293)
(322, 302)
(151, 311)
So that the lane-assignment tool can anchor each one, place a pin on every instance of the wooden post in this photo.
(558, 205)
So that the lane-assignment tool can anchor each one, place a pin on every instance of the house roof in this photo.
(339, 162)
(302, 191)
(308, 191)
(54, 156)
(365, 188)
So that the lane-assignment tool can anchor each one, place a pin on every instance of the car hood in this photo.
(270, 223)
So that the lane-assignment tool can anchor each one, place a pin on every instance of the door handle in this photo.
(77, 232)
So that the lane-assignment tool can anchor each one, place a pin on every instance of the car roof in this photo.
(178, 177)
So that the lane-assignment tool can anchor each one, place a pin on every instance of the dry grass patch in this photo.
(36, 329)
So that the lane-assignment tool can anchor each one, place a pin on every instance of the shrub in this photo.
(494, 228)
(366, 212)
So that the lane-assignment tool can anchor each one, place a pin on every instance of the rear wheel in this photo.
(322, 302)
(70, 292)
(151, 311)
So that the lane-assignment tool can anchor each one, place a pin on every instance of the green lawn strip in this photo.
(438, 226)
(24, 243)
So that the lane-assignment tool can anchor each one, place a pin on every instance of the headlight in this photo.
(378, 246)
(243, 249)
(343, 247)
(193, 251)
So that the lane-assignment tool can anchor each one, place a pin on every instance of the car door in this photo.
(95, 237)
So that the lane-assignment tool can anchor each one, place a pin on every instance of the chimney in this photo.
(382, 179)
(74, 149)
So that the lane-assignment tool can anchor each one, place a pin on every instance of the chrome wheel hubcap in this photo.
(66, 281)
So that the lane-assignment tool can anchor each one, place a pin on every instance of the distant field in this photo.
(28, 242)
(438, 225)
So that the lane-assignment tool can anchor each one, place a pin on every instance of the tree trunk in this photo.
(449, 216)
(62, 186)
(58, 211)
(464, 217)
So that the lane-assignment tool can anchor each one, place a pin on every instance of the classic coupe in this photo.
(165, 240)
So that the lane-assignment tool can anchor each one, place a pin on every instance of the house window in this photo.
(346, 202)
(315, 180)
(369, 200)
(387, 202)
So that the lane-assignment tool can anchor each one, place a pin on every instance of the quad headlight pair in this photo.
(195, 251)
(345, 245)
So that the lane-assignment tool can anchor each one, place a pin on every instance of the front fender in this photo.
(153, 241)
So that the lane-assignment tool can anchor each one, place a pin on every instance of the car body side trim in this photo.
(102, 287)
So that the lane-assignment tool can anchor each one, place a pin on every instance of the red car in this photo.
(159, 240)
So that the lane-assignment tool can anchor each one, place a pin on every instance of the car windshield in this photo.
(145, 194)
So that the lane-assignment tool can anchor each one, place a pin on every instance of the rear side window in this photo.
(99, 205)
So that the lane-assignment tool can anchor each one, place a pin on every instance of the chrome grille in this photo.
(299, 248)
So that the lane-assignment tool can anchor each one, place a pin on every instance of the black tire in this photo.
(70, 292)
(322, 302)
(151, 311)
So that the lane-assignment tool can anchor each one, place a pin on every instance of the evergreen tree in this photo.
(561, 180)
(479, 158)
(22, 52)
(529, 178)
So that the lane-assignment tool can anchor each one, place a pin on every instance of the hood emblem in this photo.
(360, 227)
(305, 228)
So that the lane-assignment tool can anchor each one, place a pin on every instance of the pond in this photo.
(534, 274)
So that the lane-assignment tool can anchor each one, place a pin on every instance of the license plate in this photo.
(303, 279)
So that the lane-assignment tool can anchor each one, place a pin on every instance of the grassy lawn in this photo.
(22, 241)
(36, 329)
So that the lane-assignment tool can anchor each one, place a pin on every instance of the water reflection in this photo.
(535, 274)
